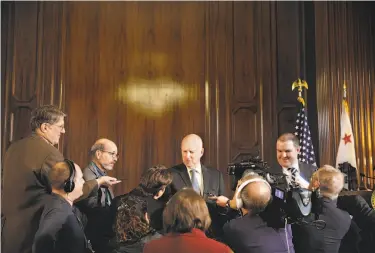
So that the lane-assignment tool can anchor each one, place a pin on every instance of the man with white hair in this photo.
(329, 182)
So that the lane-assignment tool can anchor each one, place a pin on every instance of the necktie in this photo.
(194, 180)
(293, 172)
(107, 197)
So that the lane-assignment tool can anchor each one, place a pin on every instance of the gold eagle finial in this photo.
(300, 84)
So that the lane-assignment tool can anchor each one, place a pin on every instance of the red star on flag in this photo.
(347, 138)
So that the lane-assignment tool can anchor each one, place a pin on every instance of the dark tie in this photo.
(194, 181)
(293, 171)
(108, 197)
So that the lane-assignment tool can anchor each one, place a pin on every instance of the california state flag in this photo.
(346, 152)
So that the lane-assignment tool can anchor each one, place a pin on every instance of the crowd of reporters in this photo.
(61, 208)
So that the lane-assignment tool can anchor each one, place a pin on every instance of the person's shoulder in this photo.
(339, 213)
(155, 245)
(308, 166)
(211, 169)
(55, 204)
(88, 168)
(177, 168)
(234, 225)
(218, 246)
(32, 141)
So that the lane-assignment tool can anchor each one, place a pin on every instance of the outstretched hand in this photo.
(107, 181)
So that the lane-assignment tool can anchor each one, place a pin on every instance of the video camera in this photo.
(288, 203)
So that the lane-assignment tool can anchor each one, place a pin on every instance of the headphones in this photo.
(237, 195)
(69, 183)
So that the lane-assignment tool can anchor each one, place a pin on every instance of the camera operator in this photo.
(308, 238)
(251, 233)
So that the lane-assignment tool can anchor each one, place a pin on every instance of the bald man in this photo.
(104, 156)
(192, 173)
(250, 233)
(206, 181)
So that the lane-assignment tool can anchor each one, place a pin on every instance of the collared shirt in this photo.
(200, 176)
(299, 180)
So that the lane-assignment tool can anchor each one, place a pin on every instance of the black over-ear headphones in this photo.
(69, 183)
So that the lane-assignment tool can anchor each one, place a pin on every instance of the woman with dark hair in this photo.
(151, 188)
(186, 218)
(132, 226)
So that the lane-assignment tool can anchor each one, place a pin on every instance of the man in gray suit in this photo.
(287, 149)
(25, 181)
(104, 156)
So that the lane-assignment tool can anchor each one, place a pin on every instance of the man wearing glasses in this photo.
(104, 156)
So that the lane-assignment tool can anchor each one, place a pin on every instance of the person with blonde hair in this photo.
(328, 181)
(186, 219)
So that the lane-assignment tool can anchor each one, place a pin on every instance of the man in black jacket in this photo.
(364, 217)
(60, 230)
(311, 239)
(206, 181)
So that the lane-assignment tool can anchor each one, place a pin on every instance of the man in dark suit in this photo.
(191, 173)
(60, 230)
(308, 238)
(364, 217)
(96, 207)
(251, 233)
(206, 181)
(287, 148)
(25, 182)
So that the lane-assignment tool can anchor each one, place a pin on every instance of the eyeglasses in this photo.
(114, 155)
(61, 127)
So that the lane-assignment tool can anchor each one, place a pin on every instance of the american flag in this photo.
(306, 154)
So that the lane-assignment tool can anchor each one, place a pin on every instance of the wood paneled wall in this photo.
(144, 74)
(345, 51)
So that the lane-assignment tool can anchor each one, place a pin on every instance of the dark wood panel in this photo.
(24, 84)
(345, 52)
(144, 88)
(245, 111)
(50, 46)
(20, 67)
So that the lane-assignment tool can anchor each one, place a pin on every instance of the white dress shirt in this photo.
(299, 180)
(200, 176)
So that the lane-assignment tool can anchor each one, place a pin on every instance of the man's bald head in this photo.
(101, 144)
(256, 195)
(193, 139)
(104, 154)
(59, 174)
(192, 150)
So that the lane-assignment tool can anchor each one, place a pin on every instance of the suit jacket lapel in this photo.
(304, 171)
(93, 169)
(183, 171)
(206, 178)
